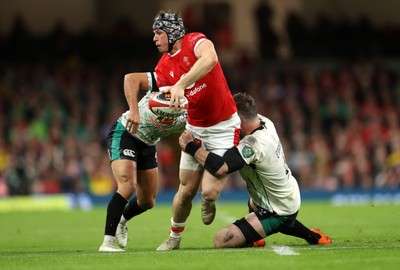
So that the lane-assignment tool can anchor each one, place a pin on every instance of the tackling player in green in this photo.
(274, 193)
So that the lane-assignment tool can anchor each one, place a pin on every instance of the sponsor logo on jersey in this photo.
(197, 89)
(171, 73)
(128, 153)
(247, 151)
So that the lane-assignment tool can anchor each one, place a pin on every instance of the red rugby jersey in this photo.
(210, 99)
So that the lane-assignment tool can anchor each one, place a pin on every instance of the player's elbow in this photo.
(206, 52)
(128, 77)
(212, 60)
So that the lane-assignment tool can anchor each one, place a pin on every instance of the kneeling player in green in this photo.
(274, 193)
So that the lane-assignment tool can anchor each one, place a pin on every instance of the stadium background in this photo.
(326, 72)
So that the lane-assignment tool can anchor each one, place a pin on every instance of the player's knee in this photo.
(210, 195)
(186, 193)
(126, 183)
(211, 190)
(226, 238)
(146, 203)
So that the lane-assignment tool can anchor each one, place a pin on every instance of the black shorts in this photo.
(122, 145)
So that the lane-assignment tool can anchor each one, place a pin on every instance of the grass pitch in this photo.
(365, 237)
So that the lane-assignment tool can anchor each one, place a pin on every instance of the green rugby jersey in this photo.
(151, 129)
(269, 180)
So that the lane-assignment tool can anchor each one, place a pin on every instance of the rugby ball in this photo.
(159, 105)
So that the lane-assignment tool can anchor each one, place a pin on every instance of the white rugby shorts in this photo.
(217, 139)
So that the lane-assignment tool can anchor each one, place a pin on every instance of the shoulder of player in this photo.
(251, 140)
(260, 138)
(194, 37)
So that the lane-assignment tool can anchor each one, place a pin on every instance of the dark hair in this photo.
(246, 106)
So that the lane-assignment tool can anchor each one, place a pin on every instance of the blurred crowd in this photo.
(338, 120)
(59, 94)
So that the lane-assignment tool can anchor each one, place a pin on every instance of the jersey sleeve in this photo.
(194, 39)
(249, 149)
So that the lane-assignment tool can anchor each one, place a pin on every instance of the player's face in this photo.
(161, 40)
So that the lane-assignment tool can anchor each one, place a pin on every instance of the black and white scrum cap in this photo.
(172, 24)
